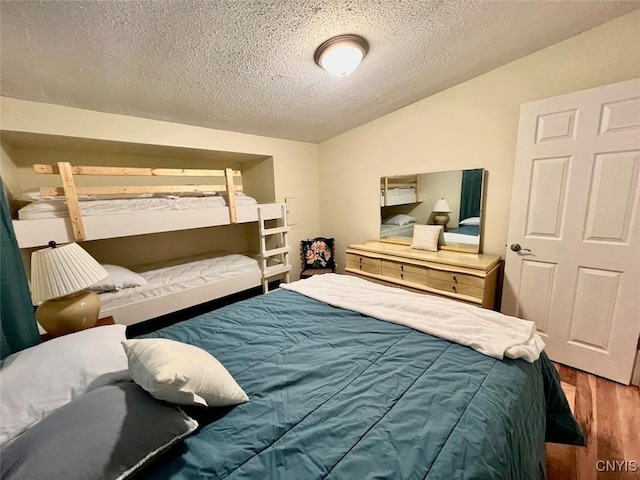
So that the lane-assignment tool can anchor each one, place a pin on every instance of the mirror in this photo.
(453, 199)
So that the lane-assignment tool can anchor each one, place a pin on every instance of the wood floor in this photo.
(609, 414)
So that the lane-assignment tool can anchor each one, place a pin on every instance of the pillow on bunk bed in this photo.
(118, 278)
(182, 374)
(425, 237)
(400, 219)
(33, 195)
(108, 433)
(50, 375)
(470, 221)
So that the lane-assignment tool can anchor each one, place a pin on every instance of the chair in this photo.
(317, 257)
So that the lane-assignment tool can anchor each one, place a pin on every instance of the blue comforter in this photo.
(335, 394)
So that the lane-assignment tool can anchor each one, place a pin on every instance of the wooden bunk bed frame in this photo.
(35, 233)
(399, 181)
(274, 263)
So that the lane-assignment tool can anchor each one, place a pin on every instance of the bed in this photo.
(337, 394)
(399, 190)
(74, 213)
(465, 234)
(396, 230)
(171, 286)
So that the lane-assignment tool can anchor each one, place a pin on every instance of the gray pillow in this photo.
(108, 433)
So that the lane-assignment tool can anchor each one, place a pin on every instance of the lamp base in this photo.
(69, 314)
(441, 219)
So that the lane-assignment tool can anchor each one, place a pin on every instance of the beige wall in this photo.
(291, 167)
(8, 169)
(471, 125)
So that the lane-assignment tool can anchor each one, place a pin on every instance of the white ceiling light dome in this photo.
(342, 54)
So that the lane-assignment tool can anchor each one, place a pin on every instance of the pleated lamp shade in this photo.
(442, 206)
(62, 270)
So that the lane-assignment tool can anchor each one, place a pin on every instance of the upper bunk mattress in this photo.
(398, 196)
(58, 208)
(169, 277)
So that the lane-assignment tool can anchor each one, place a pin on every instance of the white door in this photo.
(574, 220)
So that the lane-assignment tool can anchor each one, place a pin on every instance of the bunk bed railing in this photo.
(71, 191)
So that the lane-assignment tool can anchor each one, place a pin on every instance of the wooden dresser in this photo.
(463, 276)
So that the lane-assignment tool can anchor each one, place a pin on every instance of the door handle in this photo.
(515, 247)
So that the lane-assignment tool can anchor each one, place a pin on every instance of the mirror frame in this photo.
(453, 248)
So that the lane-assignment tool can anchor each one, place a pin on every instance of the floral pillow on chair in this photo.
(317, 257)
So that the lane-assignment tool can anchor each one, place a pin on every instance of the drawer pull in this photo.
(402, 276)
(455, 279)
(454, 289)
(402, 267)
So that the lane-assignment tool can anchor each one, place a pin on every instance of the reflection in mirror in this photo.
(452, 199)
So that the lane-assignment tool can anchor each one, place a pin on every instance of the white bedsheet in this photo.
(396, 230)
(58, 208)
(488, 332)
(167, 277)
(451, 237)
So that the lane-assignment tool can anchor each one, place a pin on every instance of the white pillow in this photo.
(33, 195)
(400, 219)
(118, 278)
(36, 381)
(425, 237)
(180, 373)
(470, 221)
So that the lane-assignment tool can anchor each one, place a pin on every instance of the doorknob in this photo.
(517, 248)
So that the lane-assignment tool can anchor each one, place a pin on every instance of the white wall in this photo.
(471, 125)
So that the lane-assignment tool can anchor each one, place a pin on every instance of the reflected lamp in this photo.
(441, 211)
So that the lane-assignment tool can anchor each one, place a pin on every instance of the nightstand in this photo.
(100, 323)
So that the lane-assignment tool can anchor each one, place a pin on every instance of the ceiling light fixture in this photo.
(341, 55)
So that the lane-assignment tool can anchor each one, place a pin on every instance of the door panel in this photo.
(574, 212)
(547, 196)
(536, 288)
(612, 191)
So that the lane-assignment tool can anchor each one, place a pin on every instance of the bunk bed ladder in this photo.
(274, 262)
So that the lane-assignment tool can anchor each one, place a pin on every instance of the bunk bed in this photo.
(82, 213)
(399, 190)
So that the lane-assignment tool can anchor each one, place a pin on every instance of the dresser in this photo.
(468, 277)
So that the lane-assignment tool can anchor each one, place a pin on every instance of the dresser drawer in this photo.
(402, 271)
(453, 277)
(364, 264)
(453, 287)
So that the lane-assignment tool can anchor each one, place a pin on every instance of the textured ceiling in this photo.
(247, 65)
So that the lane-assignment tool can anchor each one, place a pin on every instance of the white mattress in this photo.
(167, 277)
(398, 196)
(58, 208)
(396, 230)
(450, 237)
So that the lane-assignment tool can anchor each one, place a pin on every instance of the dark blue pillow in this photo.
(108, 433)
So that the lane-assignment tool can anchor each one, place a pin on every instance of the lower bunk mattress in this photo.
(340, 395)
(179, 284)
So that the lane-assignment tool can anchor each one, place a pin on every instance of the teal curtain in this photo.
(471, 193)
(18, 328)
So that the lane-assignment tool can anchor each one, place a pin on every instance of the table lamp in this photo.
(441, 212)
(59, 277)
